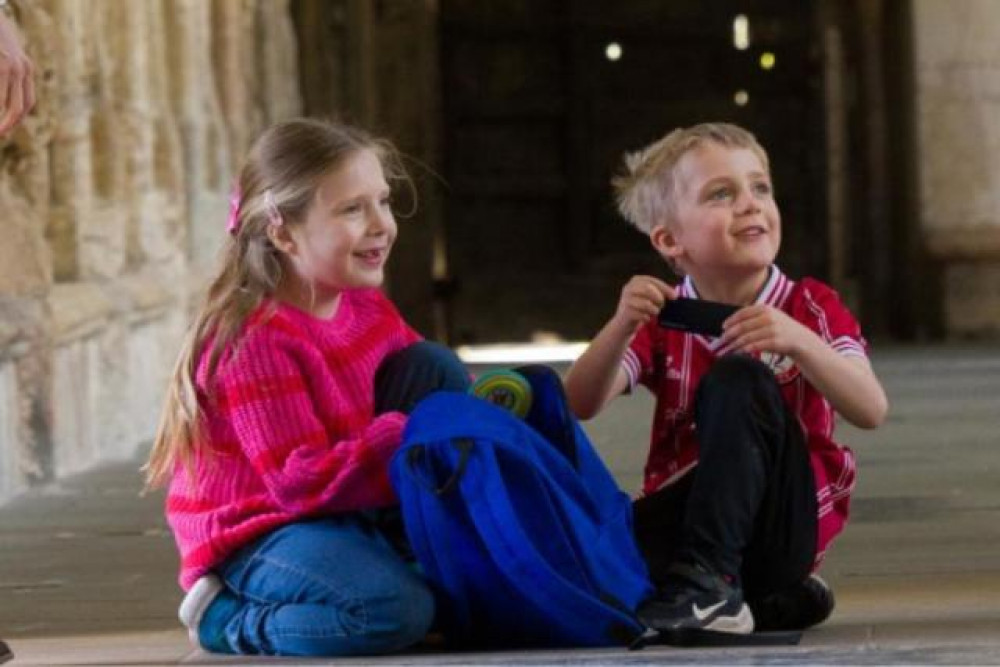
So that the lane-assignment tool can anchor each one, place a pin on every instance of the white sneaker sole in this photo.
(740, 624)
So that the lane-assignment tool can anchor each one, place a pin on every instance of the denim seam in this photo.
(306, 574)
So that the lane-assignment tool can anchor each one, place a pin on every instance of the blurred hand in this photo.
(641, 300)
(17, 77)
(763, 328)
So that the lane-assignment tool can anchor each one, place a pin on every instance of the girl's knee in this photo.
(381, 623)
(414, 614)
(397, 620)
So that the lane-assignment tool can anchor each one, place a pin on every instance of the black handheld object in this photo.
(696, 316)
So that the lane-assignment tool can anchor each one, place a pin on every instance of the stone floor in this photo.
(87, 567)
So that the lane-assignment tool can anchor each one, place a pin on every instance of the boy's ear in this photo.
(665, 242)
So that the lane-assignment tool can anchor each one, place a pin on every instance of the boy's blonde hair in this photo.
(288, 161)
(645, 192)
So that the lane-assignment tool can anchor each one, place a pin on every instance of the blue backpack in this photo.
(517, 524)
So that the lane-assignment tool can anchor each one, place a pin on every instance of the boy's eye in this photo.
(350, 209)
(719, 194)
(762, 188)
(386, 202)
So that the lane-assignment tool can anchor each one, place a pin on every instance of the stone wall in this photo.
(957, 49)
(113, 195)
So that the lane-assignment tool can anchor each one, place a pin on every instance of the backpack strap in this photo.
(418, 469)
(549, 413)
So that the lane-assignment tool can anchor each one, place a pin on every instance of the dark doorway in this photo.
(541, 100)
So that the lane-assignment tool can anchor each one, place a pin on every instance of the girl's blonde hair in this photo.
(645, 190)
(282, 171)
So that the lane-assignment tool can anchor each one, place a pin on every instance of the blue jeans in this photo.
(332, 586)
(336, 585)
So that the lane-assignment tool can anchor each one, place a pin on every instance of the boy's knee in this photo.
(739, 384)
(431, 353)
(737, 372)
(430, 357)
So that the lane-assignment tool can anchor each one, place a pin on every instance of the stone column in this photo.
(157, 232)
(957, 49)
(276, 64)
(113, 195)
(195, 103)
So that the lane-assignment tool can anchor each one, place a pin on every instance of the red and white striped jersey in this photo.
(671, 363)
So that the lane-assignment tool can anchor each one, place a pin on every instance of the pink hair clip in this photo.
(233, 222)
(273, 214)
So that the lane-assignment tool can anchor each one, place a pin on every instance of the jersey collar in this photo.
(774, 293)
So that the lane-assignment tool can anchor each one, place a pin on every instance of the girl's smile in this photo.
(373, 258)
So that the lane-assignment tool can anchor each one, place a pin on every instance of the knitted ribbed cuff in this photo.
(386, 432)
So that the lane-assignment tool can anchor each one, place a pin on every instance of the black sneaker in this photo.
(695, 599)
(808, 603)
(5, 652)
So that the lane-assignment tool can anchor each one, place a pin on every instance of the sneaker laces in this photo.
(681, 575)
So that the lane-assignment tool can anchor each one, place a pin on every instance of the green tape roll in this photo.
(506, 389)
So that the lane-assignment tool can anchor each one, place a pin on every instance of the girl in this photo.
(287, 401)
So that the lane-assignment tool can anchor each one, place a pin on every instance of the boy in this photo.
(744, 486)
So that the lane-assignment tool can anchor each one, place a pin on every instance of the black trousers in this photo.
(405, 378)
(748, 509)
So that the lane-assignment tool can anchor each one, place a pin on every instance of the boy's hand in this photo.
(641, 301)
(763, 328)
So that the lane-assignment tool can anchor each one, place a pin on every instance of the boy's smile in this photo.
(726, 226)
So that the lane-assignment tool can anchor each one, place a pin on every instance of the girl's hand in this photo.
(763, 328)
(641, 300)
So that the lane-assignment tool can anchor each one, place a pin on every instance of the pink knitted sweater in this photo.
(290, 427)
